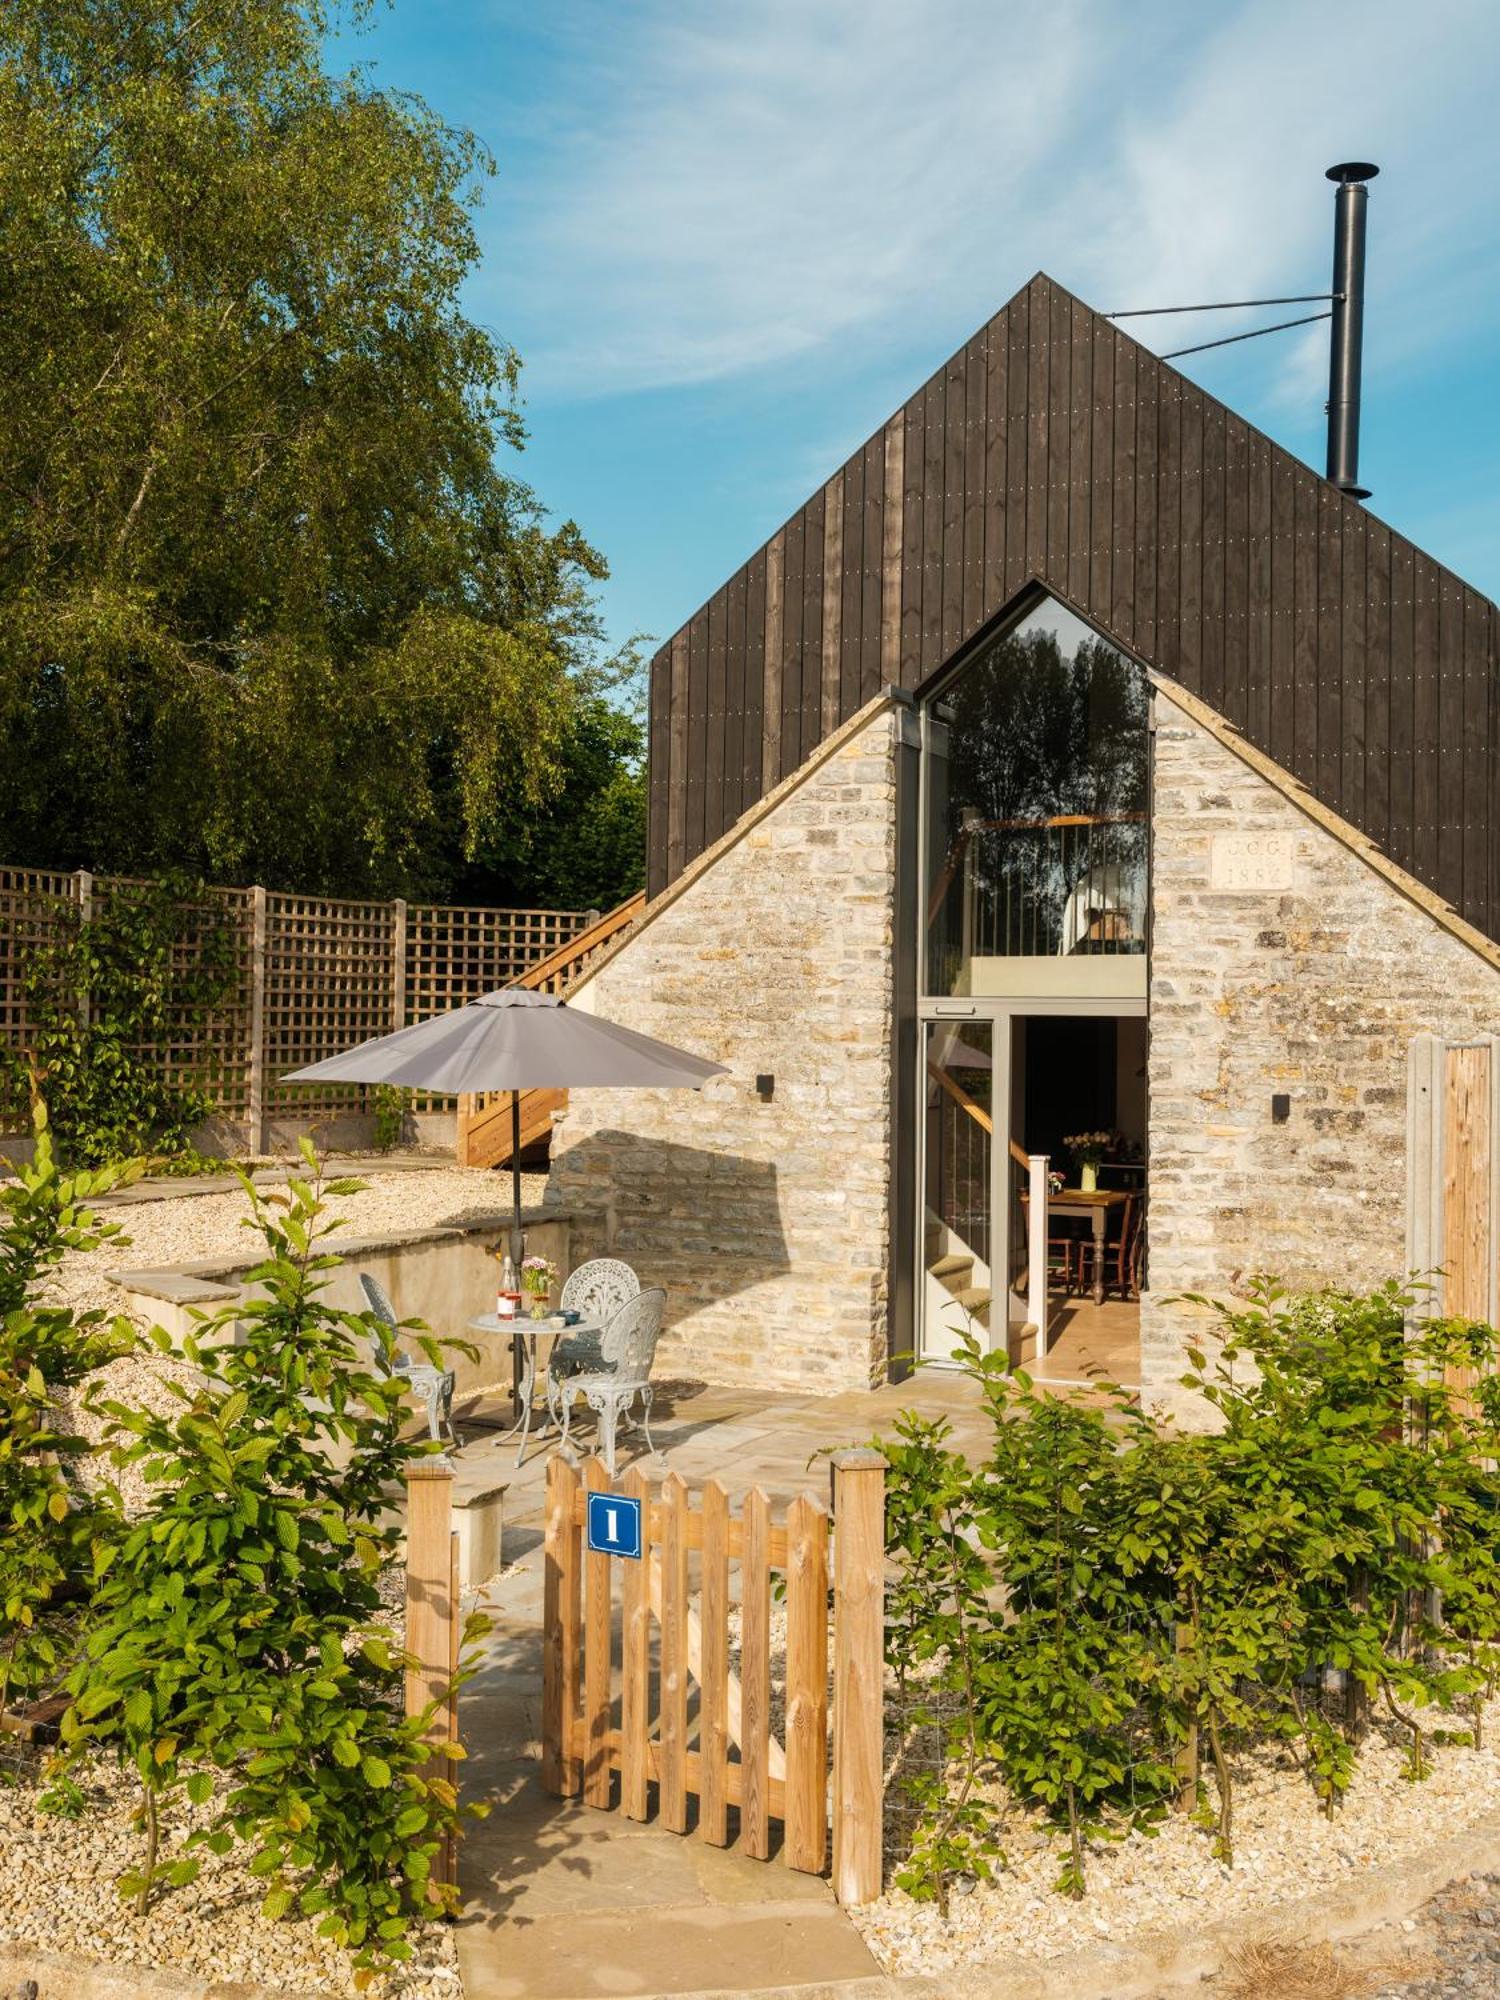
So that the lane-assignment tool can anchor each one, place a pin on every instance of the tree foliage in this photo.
(269, 607)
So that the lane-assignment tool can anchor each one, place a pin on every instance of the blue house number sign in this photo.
(614, 1526)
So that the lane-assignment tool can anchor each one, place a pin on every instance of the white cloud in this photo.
(725, 188)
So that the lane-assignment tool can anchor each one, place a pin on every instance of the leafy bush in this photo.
(107, 997)
(235, 1628)
(1099, 1597)
(48, 1524)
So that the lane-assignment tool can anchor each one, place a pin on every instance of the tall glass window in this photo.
(1037, 838)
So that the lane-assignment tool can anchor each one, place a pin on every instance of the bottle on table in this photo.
(508, 1301)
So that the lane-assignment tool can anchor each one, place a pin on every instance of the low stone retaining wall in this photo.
(444, 1276)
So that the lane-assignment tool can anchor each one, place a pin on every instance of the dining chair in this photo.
(1064, 1248)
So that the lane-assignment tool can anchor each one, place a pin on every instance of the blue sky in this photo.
(728, 239)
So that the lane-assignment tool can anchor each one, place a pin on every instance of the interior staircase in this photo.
(484, 1122)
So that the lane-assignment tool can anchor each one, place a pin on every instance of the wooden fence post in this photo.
(858, 1673)
(398, 963)
(806, 1685)
(598, 1593)
(562, 1773)
(431, 1607)
(255, 1107)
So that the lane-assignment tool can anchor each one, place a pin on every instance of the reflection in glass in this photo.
(1036, 787)
(958, 1194)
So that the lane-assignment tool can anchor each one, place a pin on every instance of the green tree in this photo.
(269, 607)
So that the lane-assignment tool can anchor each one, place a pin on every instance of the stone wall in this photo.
(765, 1219)
(1281, 962)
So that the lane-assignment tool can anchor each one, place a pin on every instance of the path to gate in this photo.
(567, 1902)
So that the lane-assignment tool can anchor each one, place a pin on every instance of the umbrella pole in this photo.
(515, 1178)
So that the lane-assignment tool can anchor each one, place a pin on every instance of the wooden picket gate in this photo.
(1453, 1177)
(635, 1719)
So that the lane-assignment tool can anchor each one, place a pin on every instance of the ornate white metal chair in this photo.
(628, 1350)
(597, 1290)
(432, 1386)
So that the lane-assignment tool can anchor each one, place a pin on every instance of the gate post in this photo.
(562, 1768)
(858, 1673)
(432, 1615)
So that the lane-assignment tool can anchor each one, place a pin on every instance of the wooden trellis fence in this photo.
(649, 1698)
(312, 975)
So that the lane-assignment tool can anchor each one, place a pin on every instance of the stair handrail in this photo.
(972, 1108)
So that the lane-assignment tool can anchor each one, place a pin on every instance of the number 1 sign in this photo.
(613, 1526)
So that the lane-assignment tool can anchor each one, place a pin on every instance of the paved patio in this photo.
(567, 1902)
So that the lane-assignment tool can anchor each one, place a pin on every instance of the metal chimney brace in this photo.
(1346, 339)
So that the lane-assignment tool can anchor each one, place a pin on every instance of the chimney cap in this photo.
(1350, 171)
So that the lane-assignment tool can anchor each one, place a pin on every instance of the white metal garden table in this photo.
(524, 1334)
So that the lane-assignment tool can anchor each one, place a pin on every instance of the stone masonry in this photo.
(765, 1218)
(1281, 962)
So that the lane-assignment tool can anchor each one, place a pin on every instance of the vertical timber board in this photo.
(1468, 1188)
(1122, 533)
(1147, 389)
(1169, 524)
(934, 405)
(672, 1734)
(831, 662)
(951, 557)
(635, 1661)
(976, 396)
(1017, 369)
(813, 552)
(1059, 436)
(1377, 820)
(996, 419)
(1080, 448)
(1282, 739)
(430, 1607)
(713, 1679)
(892, 524)
(756, 669)
(913, 448)
(1328, 776)
(1303, 762)
(660, 753)
(1039, 333)
(1403, 719)
(1258, 590)
(1102, 464)
(1236, 695)
(1190, 544)
(716, 704)
(770, 767)
(677, 853)
(1476, 699)
(733, 802)
(755, 1675)
(597, 1663)
(1450, 744)
(849, 586)
(697, 765)
(807, 1686)
(794, 542)
(562, 1688)
(1426, 725)
(1211, 486)
(1353, 665)
(871, 574)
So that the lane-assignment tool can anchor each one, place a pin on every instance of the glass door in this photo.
(964, 1235)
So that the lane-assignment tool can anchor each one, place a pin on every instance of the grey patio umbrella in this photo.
(514, 1040)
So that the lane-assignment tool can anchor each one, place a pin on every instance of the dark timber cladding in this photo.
(1053, 450)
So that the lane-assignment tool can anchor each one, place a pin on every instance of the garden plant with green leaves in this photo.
(234, 1649)
(53, 1528)
(1100, 1599)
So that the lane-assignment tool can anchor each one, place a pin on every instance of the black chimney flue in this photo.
(1346, 339)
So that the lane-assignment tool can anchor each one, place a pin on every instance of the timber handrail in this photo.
(552, 972)
(971, 1108)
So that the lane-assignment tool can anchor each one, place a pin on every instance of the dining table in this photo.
(1091, 1205)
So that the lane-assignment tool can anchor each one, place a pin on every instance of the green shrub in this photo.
(234, 1630)
(1098, 1596)
(48, 1524)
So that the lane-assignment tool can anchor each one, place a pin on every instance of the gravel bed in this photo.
(1458, 1934)
(1284, 1849)
(57, 1893)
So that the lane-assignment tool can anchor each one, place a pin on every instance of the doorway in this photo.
(1007, 1083)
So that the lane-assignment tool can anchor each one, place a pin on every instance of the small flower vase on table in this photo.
(538, 1276)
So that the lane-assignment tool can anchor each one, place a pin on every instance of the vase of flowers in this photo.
(538, 1276)
(1088, 1149)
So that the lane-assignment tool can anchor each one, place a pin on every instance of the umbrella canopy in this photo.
(514, 1040)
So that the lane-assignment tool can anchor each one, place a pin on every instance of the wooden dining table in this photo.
(1091, 1206)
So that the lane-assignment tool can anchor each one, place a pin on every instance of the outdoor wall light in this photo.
(1281, 1108)
(765, 1088)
